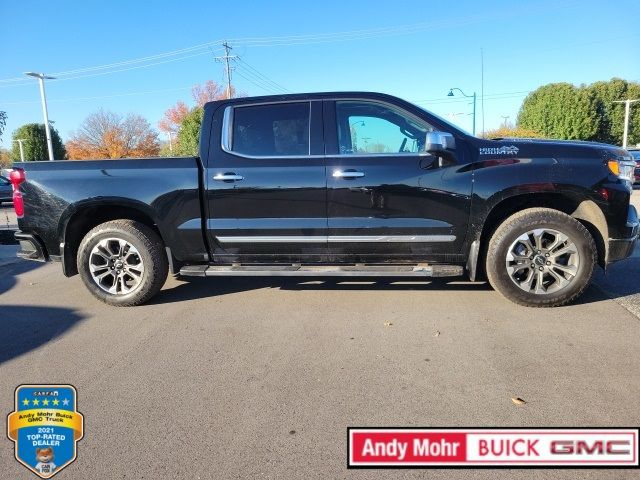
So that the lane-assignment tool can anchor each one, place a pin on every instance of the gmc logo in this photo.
(599, 447)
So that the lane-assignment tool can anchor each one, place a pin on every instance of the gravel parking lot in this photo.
(243, 378)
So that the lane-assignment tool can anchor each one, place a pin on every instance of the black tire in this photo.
(150, 250)
(532, 219)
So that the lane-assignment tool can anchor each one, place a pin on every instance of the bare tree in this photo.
(106, 134)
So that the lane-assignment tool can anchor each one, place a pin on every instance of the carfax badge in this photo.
(45, 427)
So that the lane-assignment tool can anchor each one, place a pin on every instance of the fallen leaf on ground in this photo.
(387, 324)
(518, 401)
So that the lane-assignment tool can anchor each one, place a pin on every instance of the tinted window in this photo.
(4, 181)
(370, 128)
(271, 130)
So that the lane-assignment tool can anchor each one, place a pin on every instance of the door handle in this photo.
(227, 177)
(347, 174)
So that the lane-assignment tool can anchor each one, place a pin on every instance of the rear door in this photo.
(387, 200)
(266, 184)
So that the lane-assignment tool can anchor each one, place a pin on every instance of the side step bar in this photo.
(322, 270)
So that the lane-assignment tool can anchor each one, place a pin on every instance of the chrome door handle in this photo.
(227, 177)
(347, 174)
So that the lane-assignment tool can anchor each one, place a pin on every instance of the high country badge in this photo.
(45, 427)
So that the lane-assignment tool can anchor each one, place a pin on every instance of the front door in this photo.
(266, 184)
(386, 199)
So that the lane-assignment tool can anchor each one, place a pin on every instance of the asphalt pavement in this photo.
(260, 378)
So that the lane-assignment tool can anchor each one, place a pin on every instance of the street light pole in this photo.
(41, 78)
(170, 143)
(627, 110)
(451, 94)
(20, 140)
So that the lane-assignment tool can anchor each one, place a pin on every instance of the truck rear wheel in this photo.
(540, 257)
(122, 262)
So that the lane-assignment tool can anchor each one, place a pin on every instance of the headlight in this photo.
(623, 169)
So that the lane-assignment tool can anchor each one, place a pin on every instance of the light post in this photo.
(41, 78)
(20, 140)
(169, 134)
(451, 94)
(354, 134)
(627, 108)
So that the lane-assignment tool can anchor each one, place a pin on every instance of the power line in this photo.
(124, 94)
(284, 40)
(259, 74)
(257, 83)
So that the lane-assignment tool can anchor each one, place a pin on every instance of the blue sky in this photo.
(414, 49)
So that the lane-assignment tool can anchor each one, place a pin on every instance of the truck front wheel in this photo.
(122, 262)
(540, 257)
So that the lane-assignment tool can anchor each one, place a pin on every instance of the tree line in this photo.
(585, 112)
(555, 110)
(105, 134)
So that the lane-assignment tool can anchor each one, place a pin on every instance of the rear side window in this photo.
(271, 130)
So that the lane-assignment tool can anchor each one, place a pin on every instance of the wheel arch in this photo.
(81, 218)
(586, 212)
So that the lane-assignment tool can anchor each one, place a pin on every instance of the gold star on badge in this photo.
(56, 401)
(25, 402)
(36, 402)
(45, 402)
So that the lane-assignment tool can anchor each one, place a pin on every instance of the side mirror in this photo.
(439, 142)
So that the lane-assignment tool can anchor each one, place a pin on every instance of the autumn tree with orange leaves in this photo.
(201, 94)
(106, 134)
(185, 140)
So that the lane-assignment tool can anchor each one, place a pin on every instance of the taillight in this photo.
(17, 177)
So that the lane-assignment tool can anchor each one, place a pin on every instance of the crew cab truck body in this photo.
(345, 183)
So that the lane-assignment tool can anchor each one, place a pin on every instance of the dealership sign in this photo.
(492, 447)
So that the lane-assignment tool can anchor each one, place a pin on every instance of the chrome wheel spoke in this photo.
(516, 268)
(93, 268)
(540, 283)
(560, 280)
(542, 261)
(537, 238)
(571, 248)
(528, 282)
(135, 275)
(104, 275)
(116, 266)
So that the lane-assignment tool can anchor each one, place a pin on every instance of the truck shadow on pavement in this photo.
(9, 273)
(193, 288)
(620, 281)
(25, 328)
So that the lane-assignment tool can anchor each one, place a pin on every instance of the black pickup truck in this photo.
(334, 184)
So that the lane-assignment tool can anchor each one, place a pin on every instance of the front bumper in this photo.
(31, 248)
(621, 248)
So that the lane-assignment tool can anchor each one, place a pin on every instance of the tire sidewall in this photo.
(496, 259)
(84, 253)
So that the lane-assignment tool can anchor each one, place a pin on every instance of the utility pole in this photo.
(41, 78)
(225, 58)
(20, 140)
(627, 111)
(504, 120)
